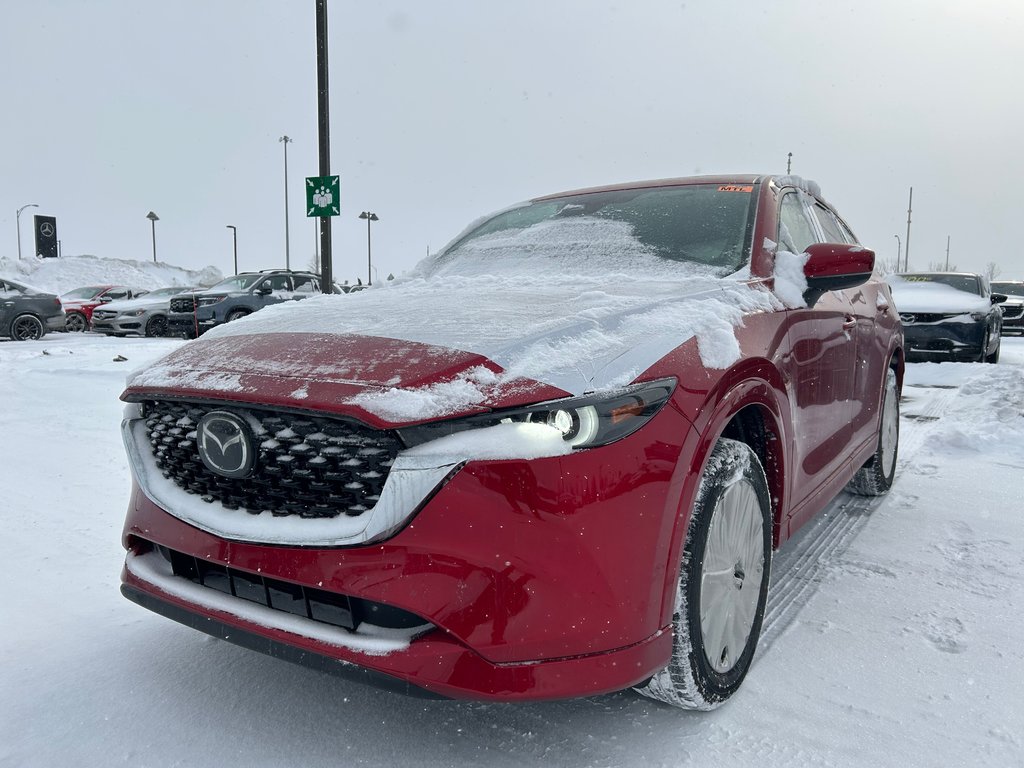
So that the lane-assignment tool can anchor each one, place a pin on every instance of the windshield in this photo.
(640, 231)
(83, 293)
(1009, 288)
(161, 292)
(966, 283)
(236, 283)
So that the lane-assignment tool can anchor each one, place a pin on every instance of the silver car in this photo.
(144, 316)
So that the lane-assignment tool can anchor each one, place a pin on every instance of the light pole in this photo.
(153, 219)
(899, 250)
(287, 250)
(234, 238)
(369, 216)
(17, 221)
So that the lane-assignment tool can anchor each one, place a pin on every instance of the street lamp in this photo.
(18, 224)
(369, 216)
(899, 250)
(153, 219)
(287, 255)
(234, 237)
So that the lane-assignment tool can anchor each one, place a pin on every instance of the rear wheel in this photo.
(877, 474)
(27, 328)
(75, 322)
(723, 583)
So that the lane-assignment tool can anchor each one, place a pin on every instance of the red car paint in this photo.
(549, 577)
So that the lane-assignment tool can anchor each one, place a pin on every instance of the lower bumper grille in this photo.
(317, 604)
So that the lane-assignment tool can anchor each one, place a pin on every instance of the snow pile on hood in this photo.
(577, 332)
(70, 272)
(914, 296)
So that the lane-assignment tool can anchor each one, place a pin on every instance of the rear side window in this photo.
(305, 284)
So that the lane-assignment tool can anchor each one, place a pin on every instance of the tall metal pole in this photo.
(153, 219)
(947, 253)
(324, 135)
(897, 252)
(789, 162)
(18, 224)
(234, 238)
(287, 239)
(369, 216)
(910, 207)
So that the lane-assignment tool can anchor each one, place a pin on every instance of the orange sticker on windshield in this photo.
(734, 188)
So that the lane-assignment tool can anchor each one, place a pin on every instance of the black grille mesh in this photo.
(183, 304)
(306, 465)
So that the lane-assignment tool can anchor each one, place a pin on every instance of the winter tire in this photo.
(723, 583)
(994, 357)
(235, 314)
(75, 322)
(157, 326)
(27, 328)
(876, 476)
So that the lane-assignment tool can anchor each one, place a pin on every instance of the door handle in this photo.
(850, 323)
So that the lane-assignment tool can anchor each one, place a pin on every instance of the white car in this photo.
(144, 316)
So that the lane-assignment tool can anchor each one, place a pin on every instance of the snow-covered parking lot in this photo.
(894, 636)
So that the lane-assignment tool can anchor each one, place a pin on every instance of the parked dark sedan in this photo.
(948, 316)
(26, 313)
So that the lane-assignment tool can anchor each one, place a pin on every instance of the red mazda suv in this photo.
(553, 461)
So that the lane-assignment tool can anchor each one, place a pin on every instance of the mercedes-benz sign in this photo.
(225, 444)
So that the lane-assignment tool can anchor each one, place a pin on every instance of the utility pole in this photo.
(789, 162)
(324, 135)
(947, 253)
(906, 251)
(287, 240)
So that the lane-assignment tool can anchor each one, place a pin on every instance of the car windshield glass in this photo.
(236, 283)
(966, 283)
(1011, 288)
(83, 293)
(701, 226)
(162, 292)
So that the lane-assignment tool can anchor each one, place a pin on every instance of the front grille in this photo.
(103, 314)
(183, 304)
(927, 317)
(309, 466)
(1013, 312)
(316, 604)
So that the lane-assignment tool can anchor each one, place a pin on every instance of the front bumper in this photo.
(539, 579)
(56, 322)
(944, 341)
(123, 325)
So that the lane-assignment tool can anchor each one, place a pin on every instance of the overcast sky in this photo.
(444, 111)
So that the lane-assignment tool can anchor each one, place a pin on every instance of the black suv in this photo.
(25, 313)
(193, 313)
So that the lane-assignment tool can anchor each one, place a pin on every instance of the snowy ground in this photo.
(895, 632)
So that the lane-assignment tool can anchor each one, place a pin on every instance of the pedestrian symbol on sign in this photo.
(322, 196)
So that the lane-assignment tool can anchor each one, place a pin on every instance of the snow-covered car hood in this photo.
(934, 297)
(143, 302)
(429, 347)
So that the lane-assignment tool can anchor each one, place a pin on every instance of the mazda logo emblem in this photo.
(907, 319)
(225, 444)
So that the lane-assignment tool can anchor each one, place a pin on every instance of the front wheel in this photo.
(876, 476)
(994, 357)
(723, 583)
(236, 314)
(157, 326)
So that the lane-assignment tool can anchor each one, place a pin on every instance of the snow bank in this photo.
(64, 274)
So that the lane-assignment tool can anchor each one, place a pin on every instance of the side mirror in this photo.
(999, 298)
(264, 290)
(835, 267)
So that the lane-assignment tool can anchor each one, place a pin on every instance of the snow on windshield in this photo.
(927, 296)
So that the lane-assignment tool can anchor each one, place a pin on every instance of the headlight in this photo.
(978, 316)
(584, 422)
(205, 301)
(135, 313)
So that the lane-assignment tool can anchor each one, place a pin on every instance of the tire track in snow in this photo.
(798, 568)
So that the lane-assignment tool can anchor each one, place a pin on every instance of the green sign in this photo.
(322, 196)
